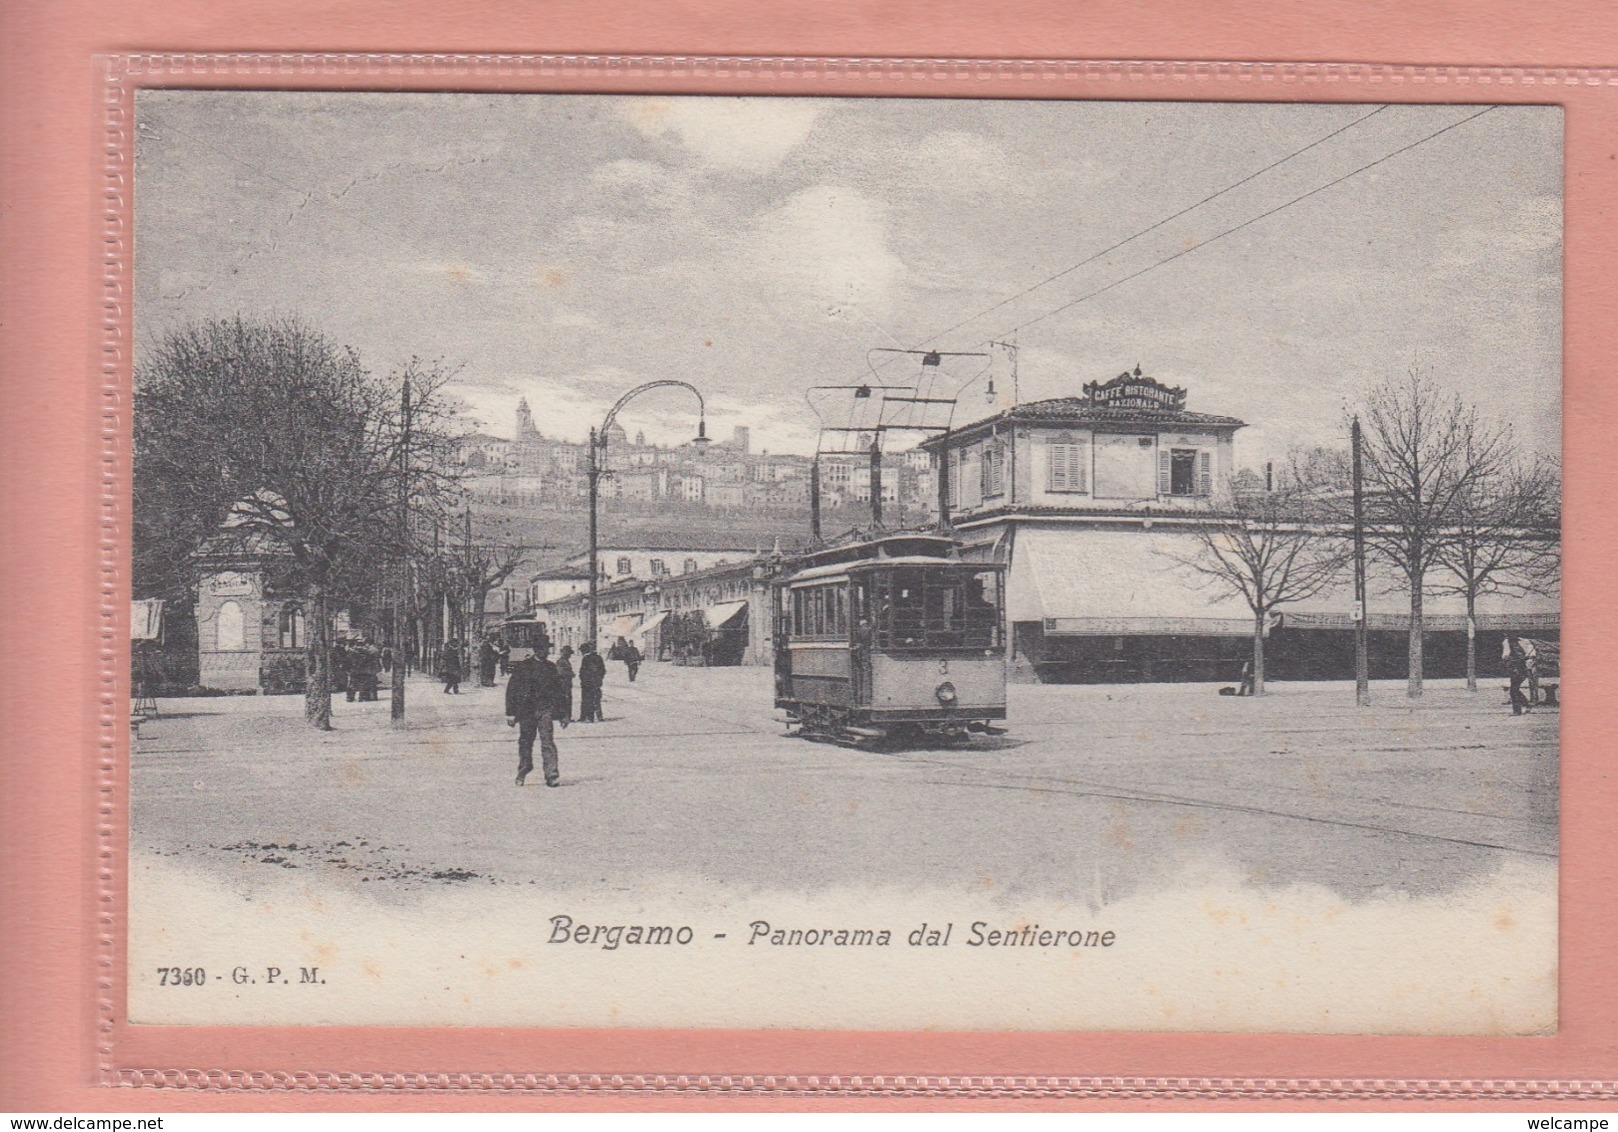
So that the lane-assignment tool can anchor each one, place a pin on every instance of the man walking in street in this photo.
(592, 673)
(632, 659)
(534, 701)
(450, 664)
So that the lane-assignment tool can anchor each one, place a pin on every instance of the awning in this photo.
(1430, 622)
(622, 625)
(719, 616)
(1080, 580)
(146, 620)
(647, 626)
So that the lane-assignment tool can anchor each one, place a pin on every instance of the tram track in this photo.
(1113, 792)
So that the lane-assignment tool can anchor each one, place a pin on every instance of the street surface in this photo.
(1096, 793)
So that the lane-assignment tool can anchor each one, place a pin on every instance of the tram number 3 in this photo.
(181, 976)
(943, 668)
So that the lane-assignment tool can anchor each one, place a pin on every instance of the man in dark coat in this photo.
(365, 668)
(632, 659)
(534, 701)
(592, 673)
(341, 678)
(488, 660)
(450, 664)
(1516, 659)
(564, 669)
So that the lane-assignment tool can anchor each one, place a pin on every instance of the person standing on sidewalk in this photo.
(632, 659)
(488, 661)
(534, 702)
(592, 674)
(1516, 659)
(564, 669)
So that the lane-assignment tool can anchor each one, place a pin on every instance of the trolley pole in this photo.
(1362, 666)
(876, 479)
(814, 499)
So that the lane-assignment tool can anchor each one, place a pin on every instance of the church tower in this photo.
(525, 423)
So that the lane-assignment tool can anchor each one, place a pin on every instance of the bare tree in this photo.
(1506, 529)
(1426, 451)
(265, 430)
(486, 563)
(1267, 548)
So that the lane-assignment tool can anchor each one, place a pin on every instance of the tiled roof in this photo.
(1082, 411)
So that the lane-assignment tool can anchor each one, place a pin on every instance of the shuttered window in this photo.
(954, 477)
(1066, 463)
(1185, 471)
(992, 470)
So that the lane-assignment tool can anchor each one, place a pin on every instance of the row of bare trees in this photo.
(1449, 504)
(263, 437)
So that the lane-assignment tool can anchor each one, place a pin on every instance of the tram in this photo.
(525, 636)
(887, 638)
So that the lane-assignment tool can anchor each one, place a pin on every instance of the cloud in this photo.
(958, 162)
(751, 134)
(829, 246)
(639, 185)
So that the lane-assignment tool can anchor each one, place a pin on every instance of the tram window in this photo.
(931, 608)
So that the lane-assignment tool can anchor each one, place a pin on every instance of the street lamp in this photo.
(598, 465)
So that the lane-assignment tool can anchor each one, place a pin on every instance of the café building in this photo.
(1092, 503)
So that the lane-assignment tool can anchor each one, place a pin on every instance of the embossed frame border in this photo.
(306, 1065)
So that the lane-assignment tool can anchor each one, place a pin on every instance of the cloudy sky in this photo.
(567, 247)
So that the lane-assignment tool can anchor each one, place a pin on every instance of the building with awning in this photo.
(1093, 505)
(718, 615)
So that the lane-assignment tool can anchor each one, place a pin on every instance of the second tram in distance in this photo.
(892, 637)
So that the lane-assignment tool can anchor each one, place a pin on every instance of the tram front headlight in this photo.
(946, 694)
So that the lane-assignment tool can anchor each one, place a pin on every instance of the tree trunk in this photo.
(1258, 654)
(1413, 683)
(1471, 642)
(317, 689)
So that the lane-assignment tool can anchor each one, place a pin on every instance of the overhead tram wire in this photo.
(1234, 185)
(1247, 223)
(1148, 230)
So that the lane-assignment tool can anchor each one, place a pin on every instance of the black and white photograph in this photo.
(845, 563)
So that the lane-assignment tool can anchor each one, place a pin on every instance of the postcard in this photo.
(845, 563)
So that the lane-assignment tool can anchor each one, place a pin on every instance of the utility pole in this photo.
(1362, 667)
(466, 605)
(596, 469)
(945, 521)
(396, 691)
(593, 475)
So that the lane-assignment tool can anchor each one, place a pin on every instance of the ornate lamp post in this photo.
(598, 466)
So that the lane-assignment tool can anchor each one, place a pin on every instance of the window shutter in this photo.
(1204, 473)
(1065, 460)
(989, 470)
(1165, 472)
(1078, 459)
